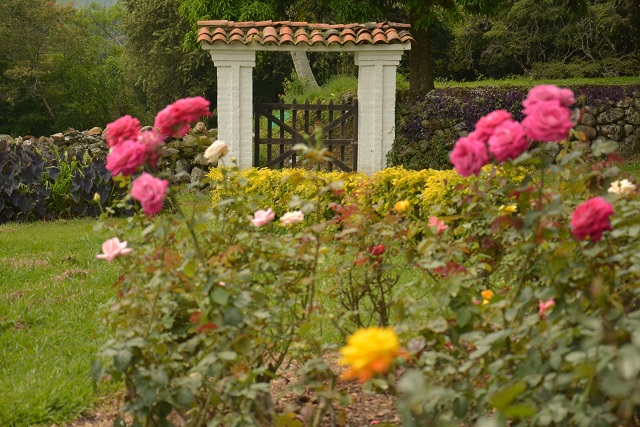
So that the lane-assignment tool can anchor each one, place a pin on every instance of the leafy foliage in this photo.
(61, 67)
(36, 184)
(549, 39)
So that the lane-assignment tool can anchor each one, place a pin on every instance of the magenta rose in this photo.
(487, 124)
(508, 141)
(547, 121)
(125, 128)
(150, 192)
(591, 219)
(469, 155)
(125, 158)
(174, 119)
(543, 93)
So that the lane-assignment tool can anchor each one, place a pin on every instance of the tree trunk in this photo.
(303, 69)
(420, 61)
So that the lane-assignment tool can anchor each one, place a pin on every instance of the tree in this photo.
(553, 39)
(58, 67)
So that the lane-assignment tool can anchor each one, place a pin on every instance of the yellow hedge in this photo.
(423, 188)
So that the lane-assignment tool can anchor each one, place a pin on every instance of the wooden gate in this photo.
(278, 127)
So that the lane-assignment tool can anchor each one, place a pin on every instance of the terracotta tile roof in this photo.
(302, 33)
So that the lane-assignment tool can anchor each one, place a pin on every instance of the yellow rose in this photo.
(401, 206)
(369, 351)
(486, 295)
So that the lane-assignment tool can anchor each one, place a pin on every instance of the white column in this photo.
(376, 107)
(235, 103)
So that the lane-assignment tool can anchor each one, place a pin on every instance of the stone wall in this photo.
(619, 121)
(182, 157)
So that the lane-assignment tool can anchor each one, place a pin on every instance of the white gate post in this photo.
(235, 102)
(376, 107)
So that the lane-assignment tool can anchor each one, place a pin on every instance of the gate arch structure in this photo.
(378, 48)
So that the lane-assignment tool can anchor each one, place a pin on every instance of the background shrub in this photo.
(39, 183)
(429, 191)
(427, 127)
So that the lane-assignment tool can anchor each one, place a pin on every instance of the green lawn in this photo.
(50, 287)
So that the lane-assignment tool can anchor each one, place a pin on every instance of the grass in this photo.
(50, 289)
(340, 88)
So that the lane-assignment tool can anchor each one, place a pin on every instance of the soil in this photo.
(364, 409)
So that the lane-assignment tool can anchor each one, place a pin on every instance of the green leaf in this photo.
(438, 325)
(220, 296)
(228, 355)
(519, 411)
(602, 146)
(628, 362)
(121, 360)
(501, 399)
(463, 315)
(460, 406)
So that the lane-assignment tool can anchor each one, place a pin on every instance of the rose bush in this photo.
(518, 304)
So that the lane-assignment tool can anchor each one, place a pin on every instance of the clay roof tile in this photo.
(269, 32)
(363, 37)
(379, 38)
(348, 38)
(392, 35)
(333, 39)
(219, 38)
(216, 23)
(286, 39)
(204, 38)
(287, 32)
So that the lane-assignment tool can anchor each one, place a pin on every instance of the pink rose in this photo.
(113, 248)
(151, 142)
(543, 93)
(544, 306)
(262, 217)
(438, 225)
(125, 157)
(547, 121)
(487, 124)
(150, 192)
(469, 155)
(174, 119)
(125, 128)
(591, 219)
(508, 141)
(292, 217)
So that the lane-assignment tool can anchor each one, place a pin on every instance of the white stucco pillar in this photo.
(235, 102)
(376, 107)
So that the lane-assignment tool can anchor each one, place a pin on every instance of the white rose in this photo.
(215, 151)
(622, 188)
(292, 217)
